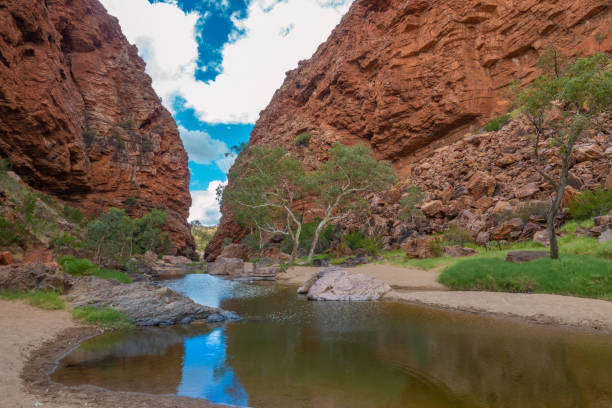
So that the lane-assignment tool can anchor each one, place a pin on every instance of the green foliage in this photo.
(357, 240)
(10, 232)
(591, 204)
(572, 275)
(526, 210)
(73, 215)
(326, 236)
(116, 236)
(64, 240)
(496, 124)
(84, 267)
(303, 140)
(104, 317)
(455, 235)
(5, 166)
(202, 235)
(409, 203)
(48, 300)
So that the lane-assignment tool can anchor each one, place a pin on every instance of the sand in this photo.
(421, 287)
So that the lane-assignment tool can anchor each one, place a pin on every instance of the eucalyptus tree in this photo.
(266, 187)
(563, 105)
(343, 182)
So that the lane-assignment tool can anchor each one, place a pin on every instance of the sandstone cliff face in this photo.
(78, 115)
(407, 77)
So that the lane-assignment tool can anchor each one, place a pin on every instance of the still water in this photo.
(289, 352)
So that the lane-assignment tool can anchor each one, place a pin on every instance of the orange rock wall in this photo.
(79, 118)
(407, 77)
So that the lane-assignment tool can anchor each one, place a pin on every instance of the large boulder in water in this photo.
(340, 285)
(227, 266)
(240, 251)
(144, 304)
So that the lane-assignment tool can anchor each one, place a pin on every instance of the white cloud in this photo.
(202, 148)
(204, 206)
(254, 65)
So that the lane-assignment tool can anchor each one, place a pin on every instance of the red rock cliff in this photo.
(406, 77)
(78, 115)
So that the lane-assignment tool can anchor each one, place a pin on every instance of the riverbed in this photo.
(288, 352)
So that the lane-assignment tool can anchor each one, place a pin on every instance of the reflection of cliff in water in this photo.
(184, 361)
(391, 355)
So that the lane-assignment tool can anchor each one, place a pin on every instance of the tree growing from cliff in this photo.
(267, 185)
(343, 182)
(562, 106)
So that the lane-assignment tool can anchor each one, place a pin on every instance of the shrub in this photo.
(65, 240)
(496, 124)
(10, 233)
(524, 211)
(591, 204)
(356, 240)
(48, 300)
(105, 317)
(408, 204)
(455, 235)
(73, 215)
(76, 267)
(303, 140)
(112, 274)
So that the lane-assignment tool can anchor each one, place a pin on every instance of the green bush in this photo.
(65, 240)
(105, 317)
(496, 124)
(356, 240)
(48, 300)
(84, 267)
(591, 204)
(10, 233)
(303, 140)
(413, 198)
(73, 215)
(455, 235)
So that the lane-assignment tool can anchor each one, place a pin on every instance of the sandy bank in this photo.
(32, 340)
(421, 287)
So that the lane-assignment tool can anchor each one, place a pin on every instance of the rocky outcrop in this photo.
(144, 304)
(227, 267)
(409, 77)
(79, 118)
(36, 276)
(339, 285)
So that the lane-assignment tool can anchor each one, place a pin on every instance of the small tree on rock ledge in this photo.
(562, 106)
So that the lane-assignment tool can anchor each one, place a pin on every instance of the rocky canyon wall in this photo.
(409, 77)
(79, 118)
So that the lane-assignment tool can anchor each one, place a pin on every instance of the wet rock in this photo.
(525, 256)
(5, 258)
(340, 285)
(144, 304)
(227, 266)
(264, 271)
(239, 251)
(456, 251)
(35, 276)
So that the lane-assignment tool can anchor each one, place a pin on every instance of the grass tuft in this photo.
(576, 275)
(84, 267)
(104, 317)
(48, 300)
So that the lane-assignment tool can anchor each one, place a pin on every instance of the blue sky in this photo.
(216, 65)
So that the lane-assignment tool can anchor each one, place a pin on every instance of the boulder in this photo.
(502, 207)
(432, 208)
(602, 220)
(484, 203)
(525, 256)
(569, 194)
(527, 190)
(226, 266)
(457, 251)
(481, 184)
(239, 251)
(505, 230)
(587, 152)
(341, 285)
(144, 304)
(176, 260)
(5, 258)
(150, 258)
(35, 276)
(541, 237)
(605, 236)
(482, 238)
(419, 247)
(264, 271)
